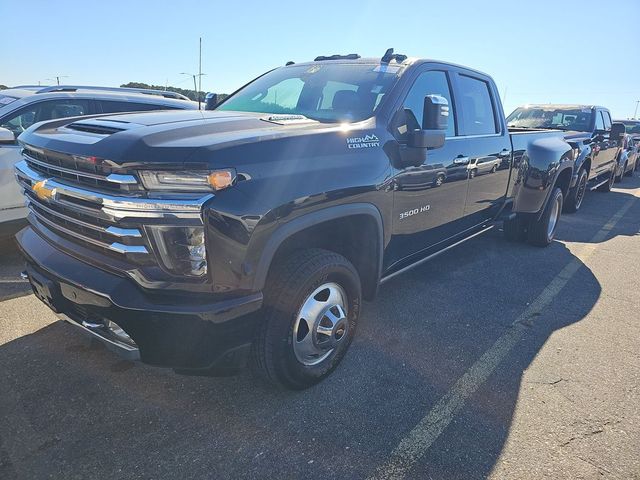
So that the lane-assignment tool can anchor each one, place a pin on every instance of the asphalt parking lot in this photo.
(496, 360)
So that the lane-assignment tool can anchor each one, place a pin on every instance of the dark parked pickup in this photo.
(598, 143)
(201, 240)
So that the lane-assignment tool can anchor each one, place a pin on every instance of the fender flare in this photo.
(286, 230)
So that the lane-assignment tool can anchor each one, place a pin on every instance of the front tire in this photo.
(576, 194)
(609, 185)
(312, 305)
(542, 232)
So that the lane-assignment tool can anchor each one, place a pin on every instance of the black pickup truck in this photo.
(598, 142)
(203, 240)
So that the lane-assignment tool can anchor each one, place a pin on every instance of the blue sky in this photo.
(543, 51)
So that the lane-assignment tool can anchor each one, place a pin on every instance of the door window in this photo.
(477, 112)
(607, 120)
(434, 82)
(19, 121)
(599, 121)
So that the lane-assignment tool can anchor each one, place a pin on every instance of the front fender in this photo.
(541, 164)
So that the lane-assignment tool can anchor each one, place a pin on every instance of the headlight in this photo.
(191, 181)
(181, 250)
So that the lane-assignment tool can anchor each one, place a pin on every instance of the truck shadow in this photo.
(11, 264)
(67, 401)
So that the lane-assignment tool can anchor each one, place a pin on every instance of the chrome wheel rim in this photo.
(439, 180)
(582, 187)
(553, 219)
(321, 324)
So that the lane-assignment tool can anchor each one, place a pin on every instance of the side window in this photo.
(607, 120)
(430, 83)
(478, 116)
(39, 111)
(19, 121)
(114, 106)
(599, 121)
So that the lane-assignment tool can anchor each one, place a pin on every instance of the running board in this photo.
(433, 255)
(597, 185)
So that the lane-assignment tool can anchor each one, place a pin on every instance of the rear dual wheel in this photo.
(312, 305)
(542, 231)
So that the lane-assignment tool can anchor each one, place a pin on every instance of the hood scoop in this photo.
(100, 127)
(287, 119)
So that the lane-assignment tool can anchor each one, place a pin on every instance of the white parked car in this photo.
(21, 107)
(478, 166)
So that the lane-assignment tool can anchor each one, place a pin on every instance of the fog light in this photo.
(181, 250)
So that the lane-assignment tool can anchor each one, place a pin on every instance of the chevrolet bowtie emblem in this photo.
(41, 190)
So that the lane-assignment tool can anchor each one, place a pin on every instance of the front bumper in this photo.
(189, 333)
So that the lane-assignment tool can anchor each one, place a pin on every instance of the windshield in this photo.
(578, 119)
(323, 92)
(632, 127)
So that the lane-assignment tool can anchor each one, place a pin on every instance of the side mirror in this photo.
(617, 131)
(435, 113)
(6, 136)
(210, 101)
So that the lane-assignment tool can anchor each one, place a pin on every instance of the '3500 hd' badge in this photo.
(368, 141)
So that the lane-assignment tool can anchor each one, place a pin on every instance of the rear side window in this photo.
(111, 106)
(430, 83)
(478, 116)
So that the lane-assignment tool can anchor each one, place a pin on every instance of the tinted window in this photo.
(607, 120)
(551, 117)
(430, 83)
(477, 113)
(22, 119)
(325, 92)
(599, 121)
(109, 106)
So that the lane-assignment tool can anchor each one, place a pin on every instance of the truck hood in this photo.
(168, 136)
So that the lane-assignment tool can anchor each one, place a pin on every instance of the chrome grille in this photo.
(113, 223)
(85, 171)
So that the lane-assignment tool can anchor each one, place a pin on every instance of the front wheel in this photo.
(576, 194)
(542, 232)
(312, 305)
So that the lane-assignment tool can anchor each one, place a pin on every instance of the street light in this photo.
(195, 86)
(57, 78)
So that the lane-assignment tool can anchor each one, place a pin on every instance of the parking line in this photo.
(426, 432)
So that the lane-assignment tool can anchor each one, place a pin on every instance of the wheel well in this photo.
(587, 165)
(564, 181)
(355, 237)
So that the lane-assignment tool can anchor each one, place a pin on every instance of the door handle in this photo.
(461, 160)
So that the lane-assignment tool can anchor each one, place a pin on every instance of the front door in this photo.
(429, 199)
(605, 150)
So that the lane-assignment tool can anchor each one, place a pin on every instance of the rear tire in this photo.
(542, 232)
(515, 229)
(609, 185)
(622, 173)
(473, 173)
(577, 193)
(309, 283)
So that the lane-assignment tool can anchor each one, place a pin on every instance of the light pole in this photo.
(195, 85)
(57, 78)
(635, 114)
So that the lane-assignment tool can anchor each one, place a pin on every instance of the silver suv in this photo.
(21, 107)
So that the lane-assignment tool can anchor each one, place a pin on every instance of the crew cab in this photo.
(251, 233)
(597, 140)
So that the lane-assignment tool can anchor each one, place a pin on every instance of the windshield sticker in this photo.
(368, 141)
(386, 69)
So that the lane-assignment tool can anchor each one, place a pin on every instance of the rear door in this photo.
(605, 150)
(484, 141)
(428, 199)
